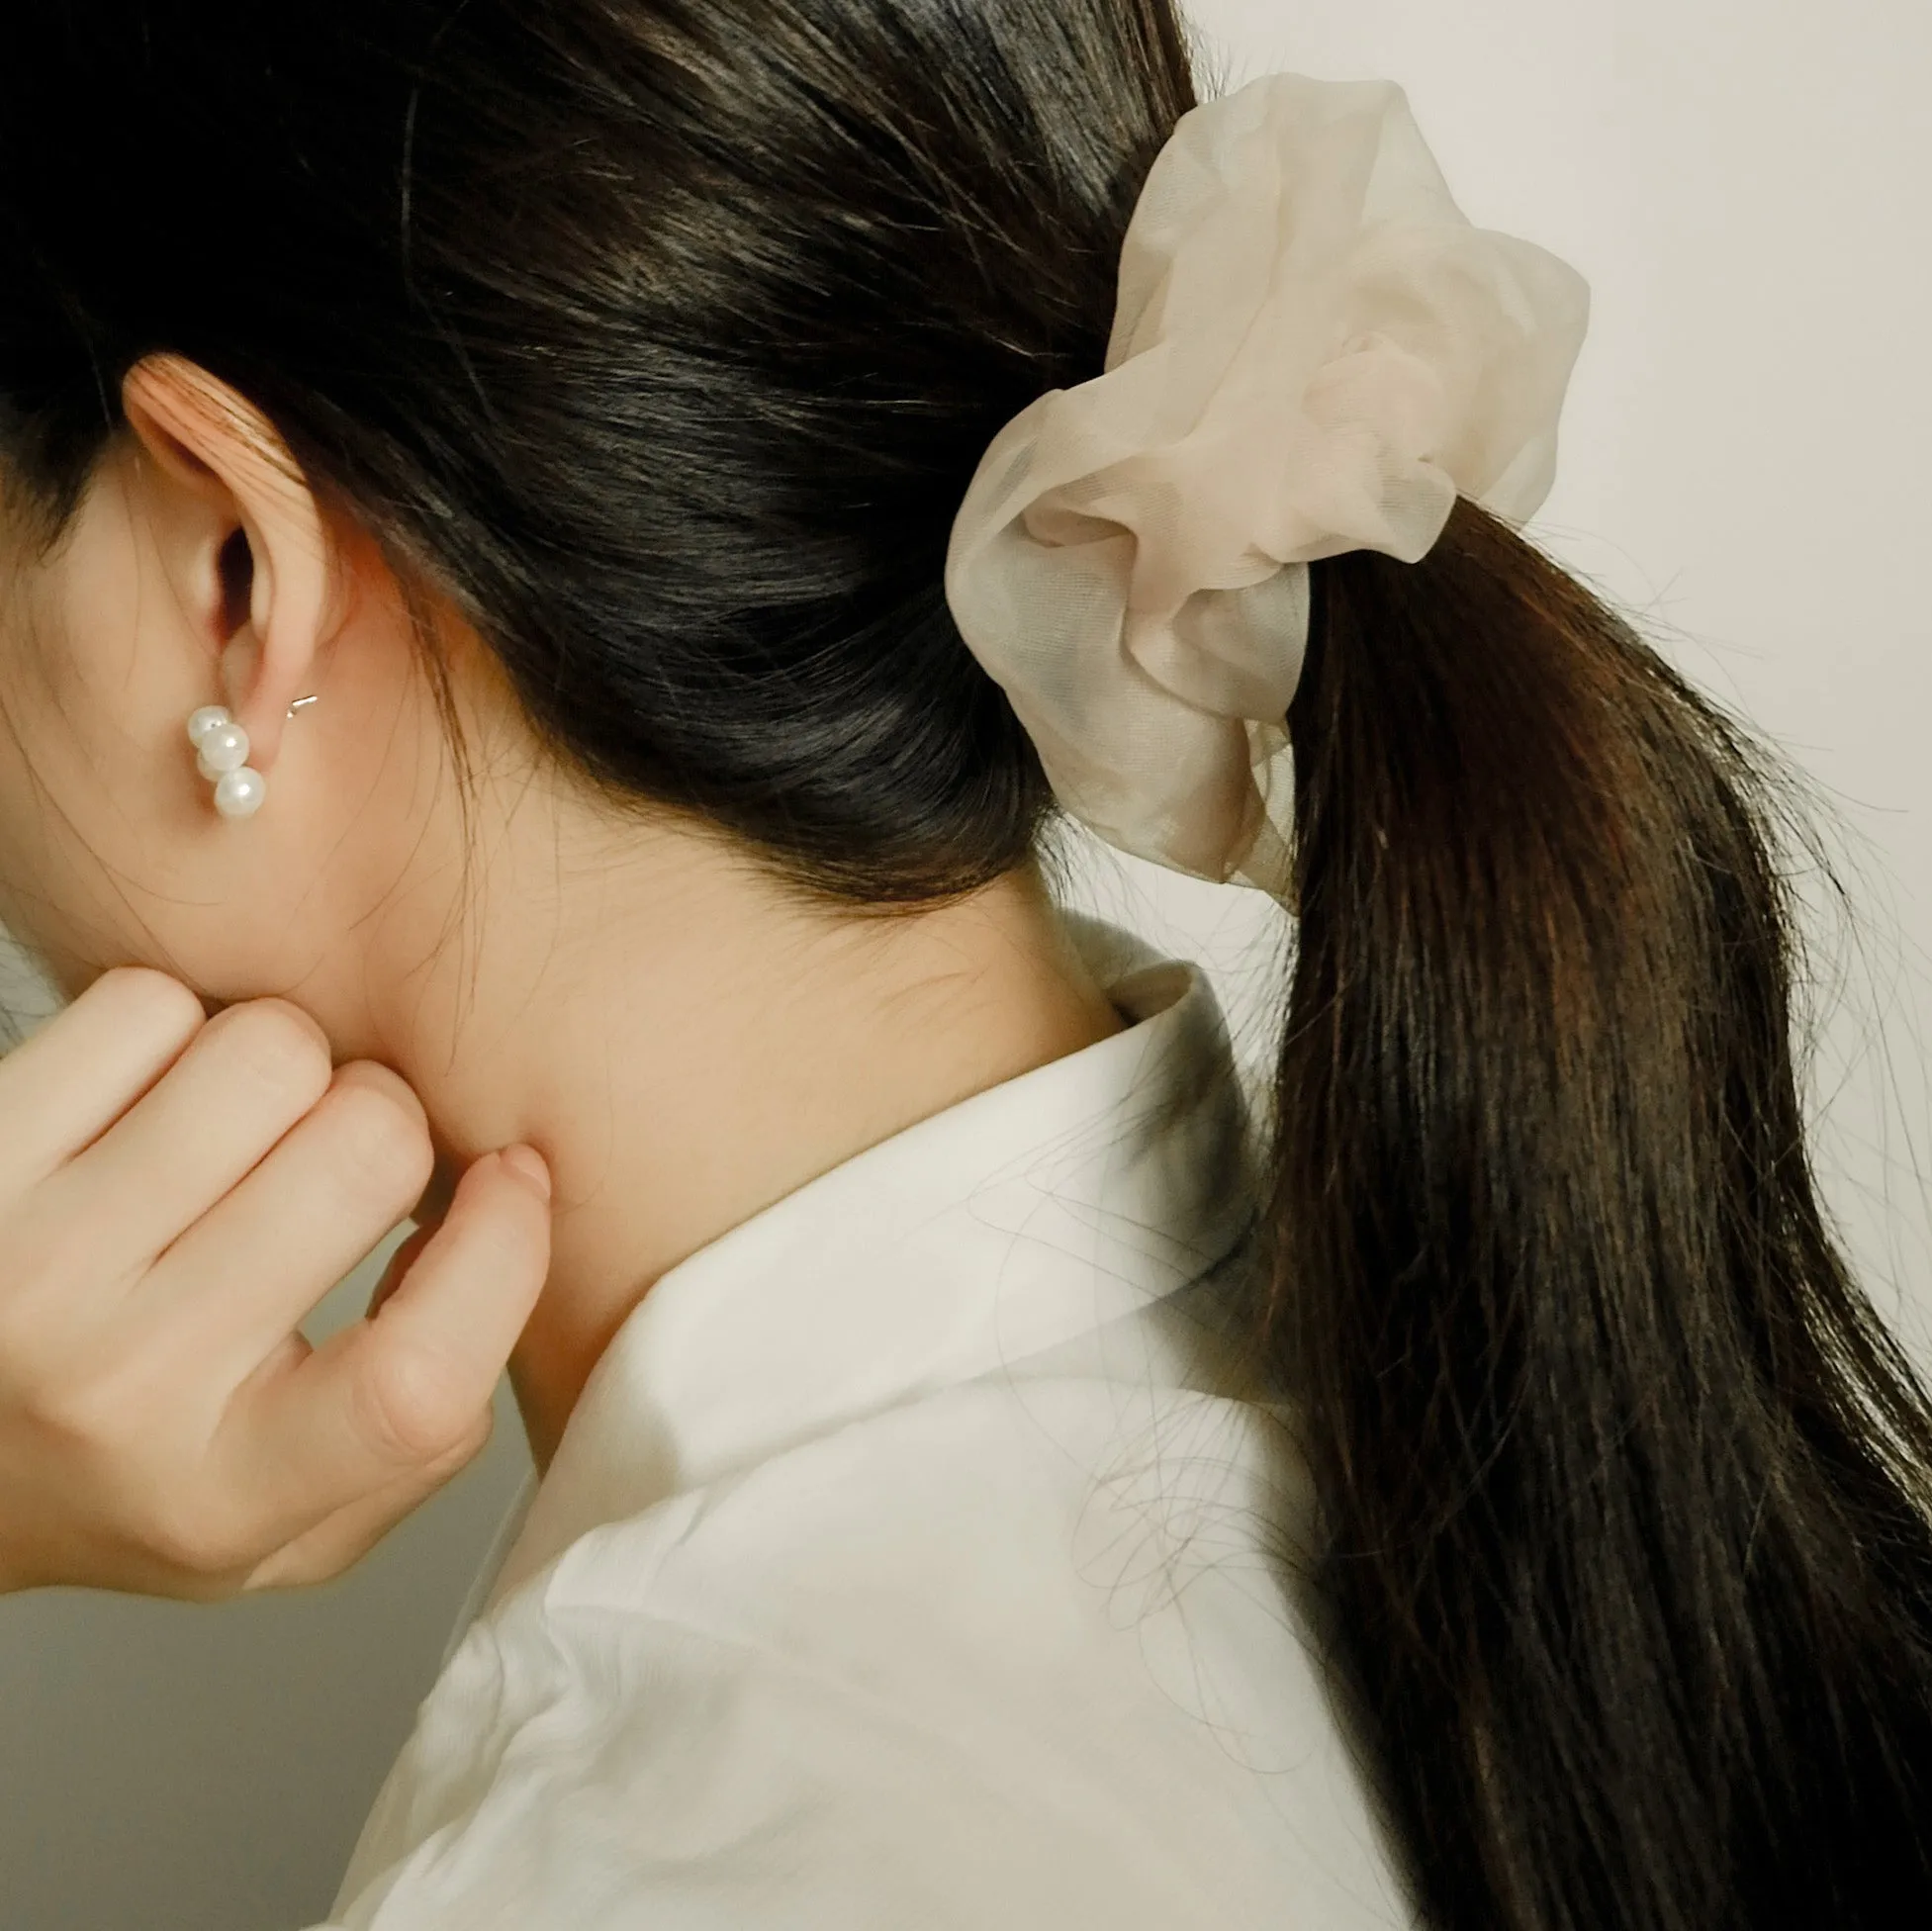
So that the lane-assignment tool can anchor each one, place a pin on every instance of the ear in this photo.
(248, 549)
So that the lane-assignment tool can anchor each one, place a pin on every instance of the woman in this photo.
(643, 508)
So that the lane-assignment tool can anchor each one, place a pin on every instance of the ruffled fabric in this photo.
(1315, 352)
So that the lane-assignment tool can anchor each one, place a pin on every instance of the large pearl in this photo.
(240, 793)
(223, 748)
(205, 720)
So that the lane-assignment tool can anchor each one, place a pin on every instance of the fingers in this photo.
(403, 1392)
(84, 1068)
(336, 1545)
(400, 1263)
(175, 1194)
(234, 1285)
(245, 1079)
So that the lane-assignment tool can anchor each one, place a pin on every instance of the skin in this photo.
(681, 1039)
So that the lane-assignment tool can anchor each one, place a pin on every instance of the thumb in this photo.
(464, 1289)
(400, 1263)
(410, 1387)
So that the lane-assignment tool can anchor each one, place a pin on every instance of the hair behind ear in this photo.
(1625, 1483)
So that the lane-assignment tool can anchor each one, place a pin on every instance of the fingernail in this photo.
(528, 1163)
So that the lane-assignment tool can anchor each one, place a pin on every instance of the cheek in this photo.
(33, 813)
(79, 828)
(60, 855)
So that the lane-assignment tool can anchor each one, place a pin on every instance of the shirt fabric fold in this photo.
(919, 1555)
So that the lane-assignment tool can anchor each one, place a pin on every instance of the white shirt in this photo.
(905, 1564)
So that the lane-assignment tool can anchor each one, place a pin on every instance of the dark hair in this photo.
(664, 337)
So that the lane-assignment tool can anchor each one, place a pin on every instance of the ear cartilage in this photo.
(222, 755)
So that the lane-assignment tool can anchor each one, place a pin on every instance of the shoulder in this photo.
(955, 1664)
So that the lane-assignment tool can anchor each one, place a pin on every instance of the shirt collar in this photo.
(1010, 1224)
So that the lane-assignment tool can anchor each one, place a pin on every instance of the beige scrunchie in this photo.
(1315, 352)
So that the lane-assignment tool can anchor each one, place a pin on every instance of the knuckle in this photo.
(51, 1257)
(384, 1137)
(57, 1265)
(43, 1406)
(279, 1044)
(150, 1002)
(198, 1540)
(85, 1417)
(469, 1445)
(411, 1412)
(97, 1428)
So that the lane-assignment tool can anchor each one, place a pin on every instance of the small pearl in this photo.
(205, 720)
(224, 747)
(240, 793)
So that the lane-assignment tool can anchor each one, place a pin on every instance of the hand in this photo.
(175, 1194)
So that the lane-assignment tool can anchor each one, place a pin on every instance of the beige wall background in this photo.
(1748, 186)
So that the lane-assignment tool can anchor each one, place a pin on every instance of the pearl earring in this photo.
(221, 754)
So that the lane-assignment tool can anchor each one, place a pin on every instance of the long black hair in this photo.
(663, 337)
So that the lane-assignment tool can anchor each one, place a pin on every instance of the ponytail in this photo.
(1625, 1485)
(1625, 1530)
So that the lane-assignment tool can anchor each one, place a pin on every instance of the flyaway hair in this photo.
(662, 338)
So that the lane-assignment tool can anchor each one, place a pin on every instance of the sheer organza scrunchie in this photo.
(1315, 352)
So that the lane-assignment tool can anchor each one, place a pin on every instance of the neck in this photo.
(685, 1042)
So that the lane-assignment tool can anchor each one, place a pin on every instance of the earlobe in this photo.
(212, 442)
(221, 757)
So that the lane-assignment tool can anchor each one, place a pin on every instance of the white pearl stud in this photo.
(240, 793)
(222, 755)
